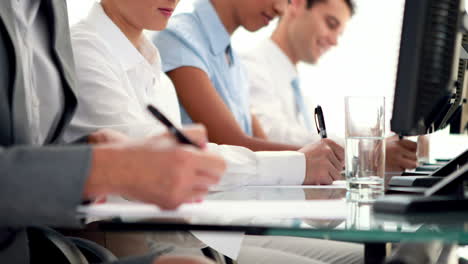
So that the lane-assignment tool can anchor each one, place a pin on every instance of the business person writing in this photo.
(42, 182)
(307, 30)
(119, 74)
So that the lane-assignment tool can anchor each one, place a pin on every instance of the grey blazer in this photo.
(38, 185)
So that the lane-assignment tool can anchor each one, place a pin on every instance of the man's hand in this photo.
(400, 154)
(324, 162)
(156, 170)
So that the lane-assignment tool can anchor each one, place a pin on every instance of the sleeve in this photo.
(276, 124)
(265, 104)
(42, 185)
(177, 51)
(103, 99)
(246, 167)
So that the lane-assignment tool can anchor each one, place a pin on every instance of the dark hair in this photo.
(349, 3)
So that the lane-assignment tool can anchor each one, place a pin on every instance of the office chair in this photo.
(432, 252)
(216, 256)
(48, 245)
(93, 252)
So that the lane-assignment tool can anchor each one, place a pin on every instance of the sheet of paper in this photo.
(227, 243)
(335, 185)
(218, 209)
(223, 212)
(251, 193)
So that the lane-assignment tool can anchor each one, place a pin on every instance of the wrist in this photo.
(105, 176)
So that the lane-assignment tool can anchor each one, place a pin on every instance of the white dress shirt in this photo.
(116, 82)
(44, 95)
(271, 74)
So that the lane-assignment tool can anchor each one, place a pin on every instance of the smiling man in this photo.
(306, 31)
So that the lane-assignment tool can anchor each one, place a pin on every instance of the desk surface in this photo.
(355, 221)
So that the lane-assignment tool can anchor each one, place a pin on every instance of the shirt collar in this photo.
(217, 34)
(280, 58)
(119, 44)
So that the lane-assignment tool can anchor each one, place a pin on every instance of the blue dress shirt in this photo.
(199, 39)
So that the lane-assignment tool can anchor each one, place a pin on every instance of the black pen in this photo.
(172, 129)
(320, 122)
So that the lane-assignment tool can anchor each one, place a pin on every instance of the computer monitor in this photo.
(429, 90)
(428, 66)
(459, 120)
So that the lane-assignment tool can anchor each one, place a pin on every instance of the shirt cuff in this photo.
(280, 168)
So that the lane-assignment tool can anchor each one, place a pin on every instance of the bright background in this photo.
(364, 63)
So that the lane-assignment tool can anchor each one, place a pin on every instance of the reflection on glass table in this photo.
(300, 211)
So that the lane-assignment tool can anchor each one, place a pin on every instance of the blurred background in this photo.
(364, 62)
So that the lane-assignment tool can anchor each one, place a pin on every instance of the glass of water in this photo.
(365, 147)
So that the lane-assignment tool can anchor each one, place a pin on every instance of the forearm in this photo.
(257, 144)
(246, 167)
(287, 131)
(257, 128)
(254, 144)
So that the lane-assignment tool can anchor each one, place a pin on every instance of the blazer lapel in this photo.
(64, 59)
(20, 124)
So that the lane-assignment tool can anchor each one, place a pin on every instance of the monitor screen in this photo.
(428, 66)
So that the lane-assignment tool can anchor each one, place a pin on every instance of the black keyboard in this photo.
(435, 173)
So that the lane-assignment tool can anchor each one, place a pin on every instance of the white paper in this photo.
(334, 185)
(226, 243)
(252, 193)
(225, 210)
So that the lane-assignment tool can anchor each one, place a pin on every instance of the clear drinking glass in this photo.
(365, 147)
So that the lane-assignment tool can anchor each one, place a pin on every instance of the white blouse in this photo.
(116, 82)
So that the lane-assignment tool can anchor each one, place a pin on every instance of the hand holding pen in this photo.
(194, 176)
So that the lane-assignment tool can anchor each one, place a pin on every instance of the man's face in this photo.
(314, 31)
(255, 14)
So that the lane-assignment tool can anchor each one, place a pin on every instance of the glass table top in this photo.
(340, 219)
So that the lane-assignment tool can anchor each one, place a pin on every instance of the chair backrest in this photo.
(93, 252)
(49, 246)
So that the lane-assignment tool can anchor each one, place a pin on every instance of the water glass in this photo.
(365, 147)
